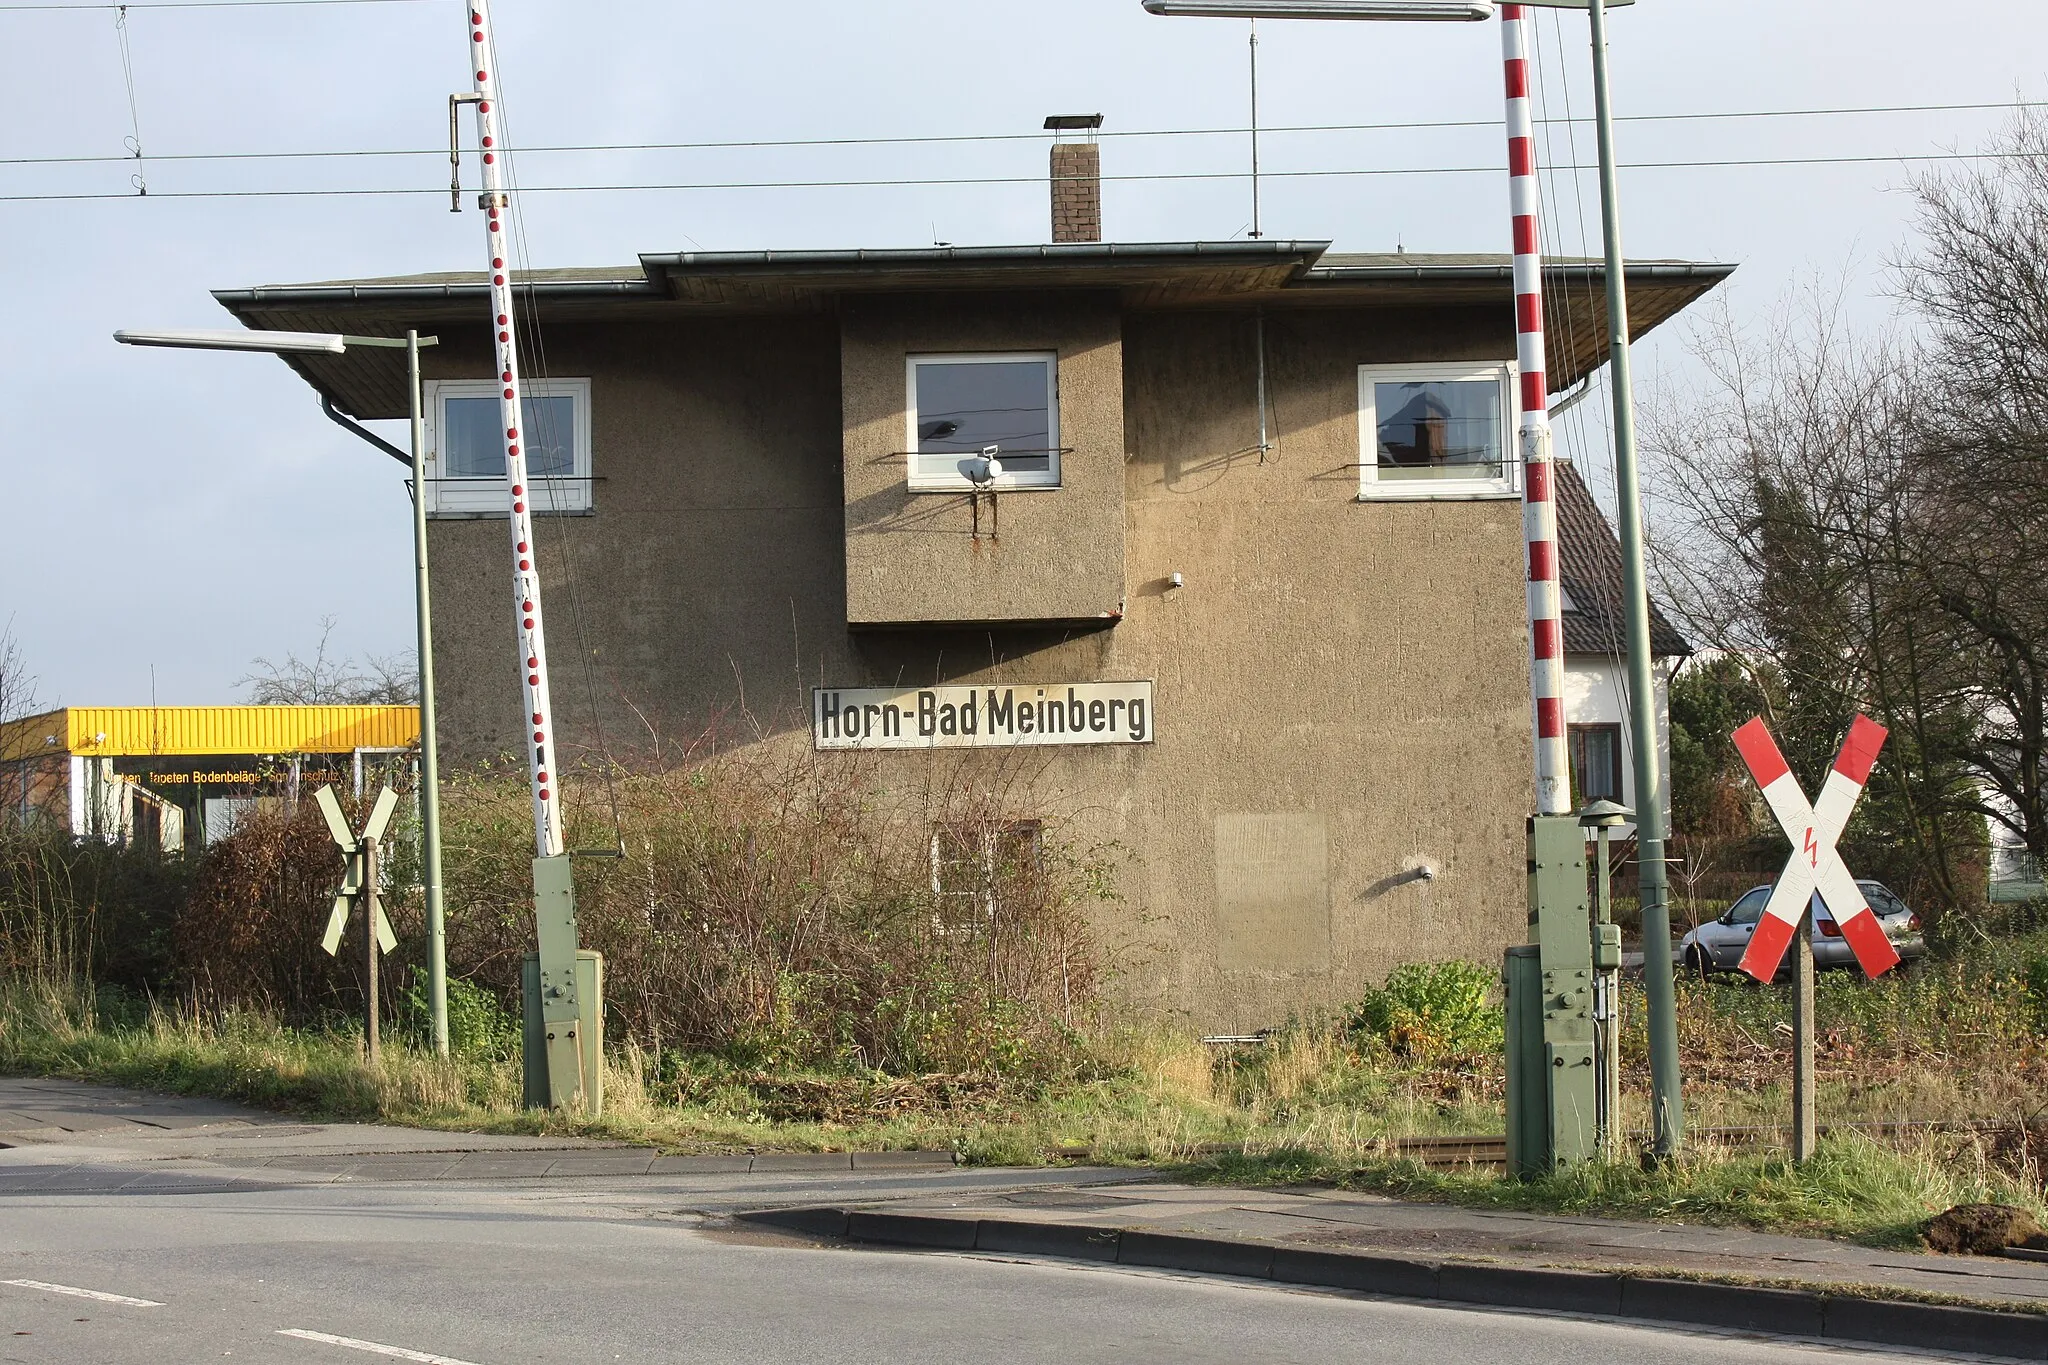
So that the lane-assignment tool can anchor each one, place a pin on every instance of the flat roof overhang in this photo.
(1147, 276)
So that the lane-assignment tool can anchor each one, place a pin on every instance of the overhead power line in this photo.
(942, 138)
(200, 4)
(984, 180)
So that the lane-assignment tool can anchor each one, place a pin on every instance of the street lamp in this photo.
(328, 343)
(1552, 791)
(1454, 11)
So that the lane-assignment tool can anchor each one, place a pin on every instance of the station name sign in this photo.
(960, 717)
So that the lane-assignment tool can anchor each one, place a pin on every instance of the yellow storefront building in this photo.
(167, 775)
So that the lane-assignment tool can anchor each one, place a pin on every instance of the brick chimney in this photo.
(1076, 178)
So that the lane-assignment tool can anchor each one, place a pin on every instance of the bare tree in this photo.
(1867, 517)
(328, 680)
(1980, 284)
(1806, 543)
(17, 685)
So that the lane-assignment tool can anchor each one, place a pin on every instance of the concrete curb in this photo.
(1648, 1298)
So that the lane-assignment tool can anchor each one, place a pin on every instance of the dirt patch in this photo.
(1982, 1230)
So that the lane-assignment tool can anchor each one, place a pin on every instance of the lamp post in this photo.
(1539, 513)
(327, 343)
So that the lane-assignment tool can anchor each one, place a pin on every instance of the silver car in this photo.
(1718, 945)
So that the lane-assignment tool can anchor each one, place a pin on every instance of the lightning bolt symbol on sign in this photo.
(1820, 823)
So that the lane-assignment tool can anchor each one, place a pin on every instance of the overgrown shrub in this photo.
(1434, 1012)
(782, 912)
(480, 1027)
(249, 934)
(87, 908)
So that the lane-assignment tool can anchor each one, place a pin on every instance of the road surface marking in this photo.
(374, 1348)
(83, 1293)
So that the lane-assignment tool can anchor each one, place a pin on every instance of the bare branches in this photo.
(324, 680)
(1865, 518)
(17, 684)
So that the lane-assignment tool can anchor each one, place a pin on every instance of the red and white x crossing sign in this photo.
(1814, 865)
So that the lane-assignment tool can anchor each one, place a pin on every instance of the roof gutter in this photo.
(886, 260)
(465, 291)
(1634, 270)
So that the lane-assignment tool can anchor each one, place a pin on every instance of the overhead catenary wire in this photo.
(1730, 163)
(140, 182)
(934, 139)
(201, 4)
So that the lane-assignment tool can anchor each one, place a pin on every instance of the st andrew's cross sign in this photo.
(358, 879)
(359, 885)
(1814, 864)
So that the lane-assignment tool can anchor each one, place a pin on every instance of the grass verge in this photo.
(1855, 1188)
(1310, 1107)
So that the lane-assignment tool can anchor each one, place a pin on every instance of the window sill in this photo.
(501, 513)
(963, 487)
(1441, 495)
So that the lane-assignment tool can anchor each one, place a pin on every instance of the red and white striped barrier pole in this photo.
(1815, 865)
(1532, 430)
(533, 654)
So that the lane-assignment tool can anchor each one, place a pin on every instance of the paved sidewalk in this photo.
(1335, 1221)
(67, 1134)
(64, 1137)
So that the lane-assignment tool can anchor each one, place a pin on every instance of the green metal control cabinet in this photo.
(1553, 1091)
(585, 1033)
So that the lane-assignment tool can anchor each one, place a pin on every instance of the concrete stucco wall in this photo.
(1340, 687)
(709, 576)
(914, 557)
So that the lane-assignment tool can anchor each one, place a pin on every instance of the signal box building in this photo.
(1245, 577)
(166, 775)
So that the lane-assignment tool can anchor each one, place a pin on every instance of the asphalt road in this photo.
(488, 1275)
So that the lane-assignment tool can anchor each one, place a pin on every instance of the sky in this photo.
(176, 515)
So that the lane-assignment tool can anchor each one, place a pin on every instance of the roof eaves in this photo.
(296, 295)
(1432, 272)
(884, 259)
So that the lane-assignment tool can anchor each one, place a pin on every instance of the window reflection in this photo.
(472, 447)
(966, 406)
(1438, 429)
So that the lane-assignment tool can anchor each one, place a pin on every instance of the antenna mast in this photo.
(1255, 147)
(533, 653)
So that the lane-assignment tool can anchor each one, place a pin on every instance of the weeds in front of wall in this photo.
(786, 969)
(1319, 1101)
(1870, 1190)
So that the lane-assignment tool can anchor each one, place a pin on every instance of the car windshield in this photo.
(1750, 908)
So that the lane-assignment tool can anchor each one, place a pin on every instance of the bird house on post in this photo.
(359, 887)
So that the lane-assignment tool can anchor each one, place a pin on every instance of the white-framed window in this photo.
(1005, 404)
(466, 446)
(1436, 431)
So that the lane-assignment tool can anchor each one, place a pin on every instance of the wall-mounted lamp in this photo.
(1174, 580)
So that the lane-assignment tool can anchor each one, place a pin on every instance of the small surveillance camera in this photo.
(1174, 580)
(1425, 873)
